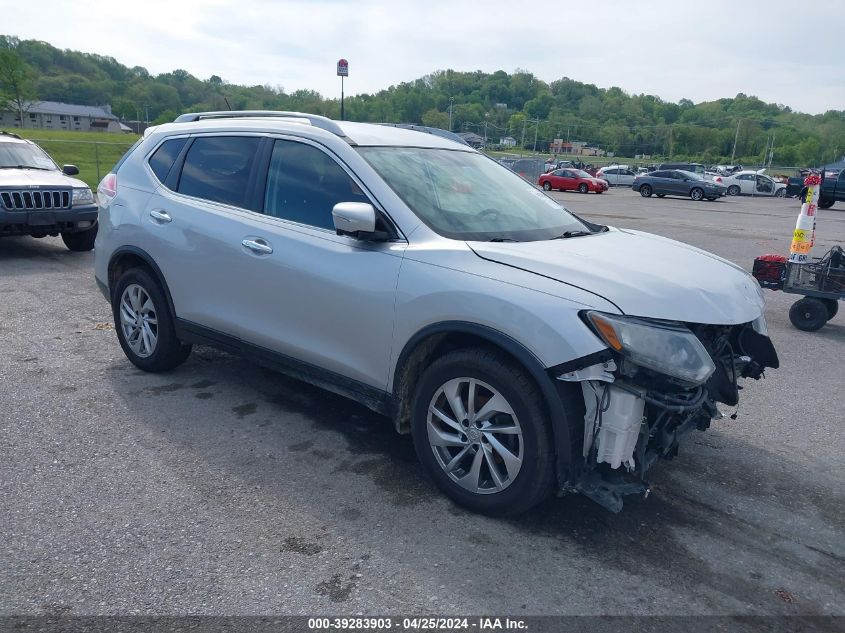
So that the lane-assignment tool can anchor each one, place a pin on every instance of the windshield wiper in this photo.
(502, 239)
(24, 167)
(568, 234)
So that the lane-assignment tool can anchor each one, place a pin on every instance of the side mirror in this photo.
(70, 170)
(358, 220)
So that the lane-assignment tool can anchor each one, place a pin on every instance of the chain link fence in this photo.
(93, 158)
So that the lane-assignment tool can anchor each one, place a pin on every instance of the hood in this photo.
(644, 275)
(34, 178)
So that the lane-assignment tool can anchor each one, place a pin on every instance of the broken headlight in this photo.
(667, 348)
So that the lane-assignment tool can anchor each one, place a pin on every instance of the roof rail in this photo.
(436, 131)
(5, 133)
(314, 119)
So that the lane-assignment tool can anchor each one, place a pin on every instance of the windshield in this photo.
(24, 155)
(467, 196)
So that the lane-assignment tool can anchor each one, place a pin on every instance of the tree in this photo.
(16, 81)
(435, 118)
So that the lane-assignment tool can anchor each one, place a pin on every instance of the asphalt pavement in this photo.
(225, 488)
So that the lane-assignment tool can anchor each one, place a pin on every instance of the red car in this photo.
(572, 180)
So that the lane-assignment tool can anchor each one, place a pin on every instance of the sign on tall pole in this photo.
(342, 71)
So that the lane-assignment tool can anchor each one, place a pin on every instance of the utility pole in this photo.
(522, 143)
(536, 129)
(736, 138)
(671, 141)
(451, 101)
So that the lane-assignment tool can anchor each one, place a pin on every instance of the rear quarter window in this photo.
(163, 158)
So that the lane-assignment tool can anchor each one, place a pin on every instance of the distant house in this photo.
(52, 115)
(472, 139)
(507, 141)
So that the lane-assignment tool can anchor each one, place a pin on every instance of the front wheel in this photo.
(480, 430)
(645, 191)
(825, 204)
(144, 325)
(547, 186)
(81, 240)
(696, 194)
(733, 190)
(808, 314)
(582, 188)
(780, 193)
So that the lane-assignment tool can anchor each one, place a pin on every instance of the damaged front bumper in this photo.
(635, 415)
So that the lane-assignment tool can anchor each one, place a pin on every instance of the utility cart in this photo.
(822, 282)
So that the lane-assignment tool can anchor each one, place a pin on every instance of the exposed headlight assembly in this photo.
(666, 348)
(82, 195)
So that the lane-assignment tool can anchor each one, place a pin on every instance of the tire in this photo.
(733, 190)
(547, 186)
(832, 306)
(514, 488)
(582, 188)
(826, 204)
(780, 193)
(645, 191)
(808, 314)
(155, 347)
(599, 190)
(81, 240)
(661, 195)
(696, 193)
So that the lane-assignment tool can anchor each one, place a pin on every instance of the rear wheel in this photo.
(808, 314)
(696, 193)
(547, 186)
(780, 193)
(144, 325)
(582, 188)
(481, 432)
(645, 191)
(81, 240)
(733, 190)
(825, 204)
(832, 306)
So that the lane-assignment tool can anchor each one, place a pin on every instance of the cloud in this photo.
(674, 50)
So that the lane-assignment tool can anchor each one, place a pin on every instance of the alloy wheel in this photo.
(138, 320)
(475, 435)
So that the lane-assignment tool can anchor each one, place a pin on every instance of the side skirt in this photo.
(371, 397)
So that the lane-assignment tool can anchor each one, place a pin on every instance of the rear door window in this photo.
(217, 168)
(304, 183)
(163, 158)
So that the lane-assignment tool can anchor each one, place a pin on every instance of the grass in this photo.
(93, 152)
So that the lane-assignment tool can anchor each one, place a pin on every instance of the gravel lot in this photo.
(224, 488)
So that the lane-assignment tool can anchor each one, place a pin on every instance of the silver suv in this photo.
(39, 199)
(525, 349)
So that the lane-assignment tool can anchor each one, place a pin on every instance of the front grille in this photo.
(35, 199)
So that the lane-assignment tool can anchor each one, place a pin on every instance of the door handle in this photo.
(257, 246)
(161, 216)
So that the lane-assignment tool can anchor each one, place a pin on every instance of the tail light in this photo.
(107, 189)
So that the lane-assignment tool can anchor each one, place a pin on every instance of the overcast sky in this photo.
(700, 50)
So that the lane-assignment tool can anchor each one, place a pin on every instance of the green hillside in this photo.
(498, 103)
